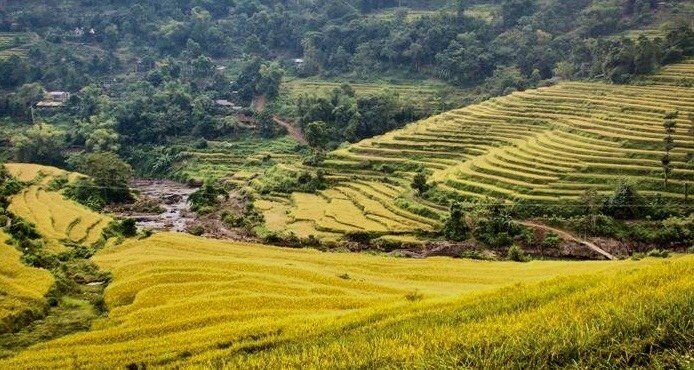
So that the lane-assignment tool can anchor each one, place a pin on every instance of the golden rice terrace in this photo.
(545, 145)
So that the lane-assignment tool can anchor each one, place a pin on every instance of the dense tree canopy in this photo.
(151, 72)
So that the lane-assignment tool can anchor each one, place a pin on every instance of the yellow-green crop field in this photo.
(240, 159)
(14, 43)
(56, 218)
(22, 287)
(422, 96)
(179, 300)
(546, 145)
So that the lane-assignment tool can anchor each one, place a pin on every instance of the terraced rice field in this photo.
(57, 219)
(12, 43)
(424, 96)
(677, 74)
(545, 145)
(179, 300)
(22, 287)
(239, 160)
(28, 172)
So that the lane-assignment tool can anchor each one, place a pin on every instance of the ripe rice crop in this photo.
(29, 172)
(179, 300)
(21, 287)
(55, 217)
(545, 145)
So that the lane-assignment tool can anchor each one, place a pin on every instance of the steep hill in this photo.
(547, 145)
(184, 300)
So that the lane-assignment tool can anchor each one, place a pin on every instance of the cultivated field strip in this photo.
(230, 160)
(179, 299)
(57, 219)
(27, 172)
(21, 287)
(676, 74)
(544, 145)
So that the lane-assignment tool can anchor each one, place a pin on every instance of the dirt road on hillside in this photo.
(294, 131)
(258, 105)
(569, 236)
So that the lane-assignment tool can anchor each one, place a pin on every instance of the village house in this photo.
(228, 105)
(53, 99)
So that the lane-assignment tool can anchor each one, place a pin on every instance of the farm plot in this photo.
(545, 145)
(178, 300)
(677, 74)
(239, 159)
(28, 172)
(424, 96)
(22, 287)
(14, 43)
(57, 219)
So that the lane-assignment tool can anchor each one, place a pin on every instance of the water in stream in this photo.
(174, 200)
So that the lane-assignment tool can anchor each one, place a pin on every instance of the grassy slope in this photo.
(21, 287)
(544, 145)
(178, 299)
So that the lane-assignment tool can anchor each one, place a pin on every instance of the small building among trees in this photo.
(53, 99)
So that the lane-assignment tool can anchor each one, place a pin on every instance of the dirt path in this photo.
(569, 236)
(258, 105)
(294, 131)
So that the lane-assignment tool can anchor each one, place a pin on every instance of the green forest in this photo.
(150, 72)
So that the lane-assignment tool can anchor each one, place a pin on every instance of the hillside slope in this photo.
(56, 218)
(547, 145)
(180, 300)
(21, 287)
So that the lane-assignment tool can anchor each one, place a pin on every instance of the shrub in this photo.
(200, 144)
(497, 229)
(8, 184)
(87, 193)
(456, 228)
(57, 183)
(109, 175)
(596, 225)
(516, 253)
(232, 220)
(206, 198)
(658, 253)
(280, 180)
(126, 227)
(419, 183)
(625, 203)
(196, 230)
(552, 240)
(361, 237)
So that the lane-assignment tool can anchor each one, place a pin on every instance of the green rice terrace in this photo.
(424, 96)
(238, 160)
(547, 145)
(14, 43)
